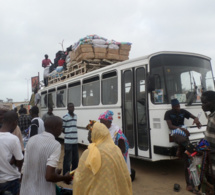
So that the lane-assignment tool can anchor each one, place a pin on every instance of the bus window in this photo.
(209, 82)
(109, 88)
(181, 76)
(44, 100)
(61, 97)
(74, 93)
(51, 98)
(159, 95)
(91, 91)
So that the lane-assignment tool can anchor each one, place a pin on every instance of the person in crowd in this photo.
(102, 168)
(22, 109)
(175, 121)
(15, 110)
(70, 139)
(36, 97)
(46, 62)
(208, 105)
(10, 148)
(117, 135)
(48, 114)
(31, 102)
(17, 131)
(3, 110)
(61, 61)
(41, 160)
(46, 65)
(37, 124)
(24, 120)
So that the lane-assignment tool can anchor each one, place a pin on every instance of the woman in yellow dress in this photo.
(102, 168)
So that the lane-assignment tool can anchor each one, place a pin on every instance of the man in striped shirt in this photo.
(208, 104)
(70, 139)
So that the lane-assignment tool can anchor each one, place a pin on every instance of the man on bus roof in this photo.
(175, 121)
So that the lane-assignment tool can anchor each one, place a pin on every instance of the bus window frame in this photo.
(50, 91)
(74, 84)
(92, 79)
(44, 93)
(109, 77)
(59, 89)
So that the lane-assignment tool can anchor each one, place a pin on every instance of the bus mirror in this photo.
(151, 83)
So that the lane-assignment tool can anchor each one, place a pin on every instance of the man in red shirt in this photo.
(46, 61)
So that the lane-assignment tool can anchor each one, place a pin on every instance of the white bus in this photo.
(139, 92)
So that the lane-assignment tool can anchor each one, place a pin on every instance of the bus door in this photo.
(135, 107)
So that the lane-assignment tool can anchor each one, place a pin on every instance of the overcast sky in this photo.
(31, 28)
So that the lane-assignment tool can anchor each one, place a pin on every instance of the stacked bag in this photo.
(96, 47)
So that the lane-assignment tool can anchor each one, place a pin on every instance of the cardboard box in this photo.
(83, 49)
(72, 56)
(100, 55)
(112, 56)
(124, 52)
(125, 47)
(123, 57)
(100, 50)
(113, 51)
(85, 56)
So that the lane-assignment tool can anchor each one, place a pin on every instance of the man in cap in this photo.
(175, 117)
(175, 121)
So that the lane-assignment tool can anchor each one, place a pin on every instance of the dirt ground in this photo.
(152, 178)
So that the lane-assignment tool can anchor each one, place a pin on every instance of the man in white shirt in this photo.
(10, 148)
(36, 97)
(41, 160)
(37, 124)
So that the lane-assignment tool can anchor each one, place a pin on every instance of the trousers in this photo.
(70, 157)
(10, 186)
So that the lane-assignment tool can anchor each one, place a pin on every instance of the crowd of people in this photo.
(104, 168)
(33, 169)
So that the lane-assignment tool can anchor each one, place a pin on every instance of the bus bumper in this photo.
(166, 151)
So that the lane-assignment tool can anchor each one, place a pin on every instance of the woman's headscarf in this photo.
(99, 134)
(107, 115)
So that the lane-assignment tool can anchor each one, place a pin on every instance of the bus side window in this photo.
(74, 93)
(61, 97)
(44, 100)
(91, 91)
(109, 88)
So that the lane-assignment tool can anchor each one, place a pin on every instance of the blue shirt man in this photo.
(70, 139)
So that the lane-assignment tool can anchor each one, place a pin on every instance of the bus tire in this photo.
(133, 173)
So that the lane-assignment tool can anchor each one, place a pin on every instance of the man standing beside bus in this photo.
(208, 105)
(175, 121)
(70, 139)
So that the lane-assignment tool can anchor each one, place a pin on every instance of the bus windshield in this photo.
(179, 76)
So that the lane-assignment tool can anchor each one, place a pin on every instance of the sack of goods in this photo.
(88, 54)
(97, 47)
